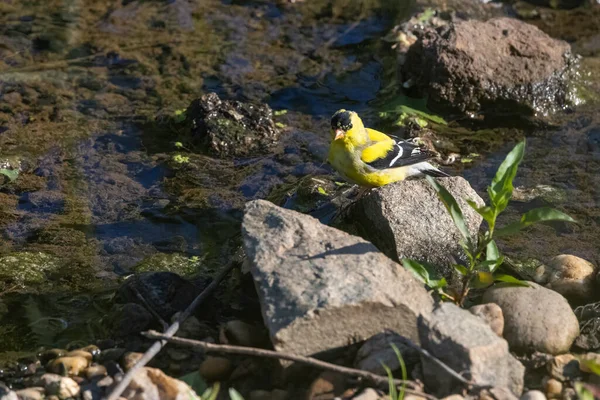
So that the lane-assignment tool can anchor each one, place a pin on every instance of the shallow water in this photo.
(81, 85)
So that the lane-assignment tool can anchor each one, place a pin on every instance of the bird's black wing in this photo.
(401, 153)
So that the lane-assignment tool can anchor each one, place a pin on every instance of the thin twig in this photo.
(313, 362)
(158, 345)
(141, 298)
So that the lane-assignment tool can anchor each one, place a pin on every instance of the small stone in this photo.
(129, 359)
(111, 355)
(105, 344)
(533, 395)
(552, 387)
(95, 371)
(467, 344)
(215, 368)
(6, 393)
(492, 315)
(151, 383)
(192, 328)
(377, 350)
(573, 277)
(454, 397)
(535, 318)
(68, 365)
(33, 393)
(564, 367)
(240, 333)
(368, 394)
(51, 354)
(327, 383)
(92, 349)
(60, 386)
(569, 393)
(80, 353)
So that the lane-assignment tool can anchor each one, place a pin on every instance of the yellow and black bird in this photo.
(371, 158)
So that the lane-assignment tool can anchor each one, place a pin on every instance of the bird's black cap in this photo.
(341, 120)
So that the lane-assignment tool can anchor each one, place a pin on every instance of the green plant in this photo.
(394, 394)
(11, 174)
(483, 256)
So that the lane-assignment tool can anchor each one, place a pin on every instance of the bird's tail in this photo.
(428, 169)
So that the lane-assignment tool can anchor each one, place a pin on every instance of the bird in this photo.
(371, 158)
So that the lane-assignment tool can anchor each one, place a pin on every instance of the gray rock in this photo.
(535, 318)
(6, 393)
(321, 288)
(533, 395)
(469, 346)
(407, 220)
(492, 314)
(500, 65)
(32, 393)
(61, 386)
(573, 277)
(378, 350)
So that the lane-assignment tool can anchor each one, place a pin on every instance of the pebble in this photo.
(533, 395)
(552, 387)
(32, 393)
(92, 349)
(61, 386)
(564, 367)
(215, 368)
(573, 277)
(569, 394)
(6, 393)
(129, 359)
(240, 333)
(111, 355)
(491, 313)
(68, 365)
(327, 383)
(368, 394)
(95, 371)
(50, 354)
(535, 318)
(178, 354)
(80, 353)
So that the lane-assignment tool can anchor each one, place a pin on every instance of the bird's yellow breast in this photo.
(344, 158)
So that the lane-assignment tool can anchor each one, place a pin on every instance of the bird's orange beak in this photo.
(339, 134)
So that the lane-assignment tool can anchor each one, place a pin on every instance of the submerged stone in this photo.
(24, 268)
(499, 66)
(174, 262)
(231, 128)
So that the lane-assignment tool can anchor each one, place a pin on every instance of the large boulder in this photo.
(499, 65)
(535, 318)
(408, 220)
(321, 288)
(468, 345)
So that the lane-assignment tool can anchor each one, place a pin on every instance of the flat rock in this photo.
(535, 318)
(500, 65)
(321, 288)
(468, 345)
(407, 220)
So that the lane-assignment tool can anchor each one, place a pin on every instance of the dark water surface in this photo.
(81, 85)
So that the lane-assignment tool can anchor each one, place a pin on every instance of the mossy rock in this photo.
(162, 262)
(26, 268)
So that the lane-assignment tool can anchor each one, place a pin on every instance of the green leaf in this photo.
(543, 214)
(453, 209)
(490, 265)
(402, 369)
(461, 269)
(418, 269)
(491, 251)
(486, 212)
(195, 381)
(391, 384)
(437, 284)
(212, 393)
(590, 364)
(502, 185)
(11, 174)
(322, 191)
(235, 395)
(510, 279)
(583, 392)
(278, 113)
